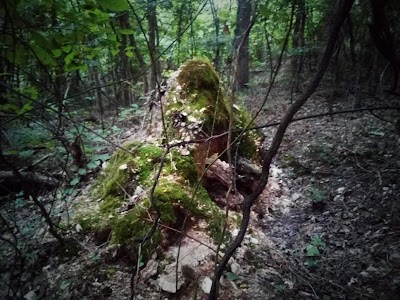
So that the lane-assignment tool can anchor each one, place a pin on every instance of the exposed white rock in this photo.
(254, 241)
(235, 233)
(167, 281)
(206, 285)
(235, 267)
(296, 196)
(150, 270)
(340, 190)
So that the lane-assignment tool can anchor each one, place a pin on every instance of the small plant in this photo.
(316, 195)
(313, 250)
(325, 153)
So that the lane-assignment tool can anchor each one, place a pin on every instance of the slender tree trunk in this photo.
(142, 63)
(153, 42)
(99, 98)
(126, 69)
(384, 40)
(337, 23)
(241, 45)
(298, 42)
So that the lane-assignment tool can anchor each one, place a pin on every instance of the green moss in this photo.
(249, 141)
(199, 95)
(146, 158)
(198, 74)
(181, 164)
(131, 224)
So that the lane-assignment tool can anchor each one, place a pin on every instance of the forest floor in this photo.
(331, 229)
(334, 230)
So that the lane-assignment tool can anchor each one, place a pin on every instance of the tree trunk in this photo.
(153, 42)
(241, 45)
(126, 69)
(384, 40)
(142, 63)
(298, 42)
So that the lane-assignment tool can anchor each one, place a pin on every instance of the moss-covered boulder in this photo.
(197, 107)
(120, 206)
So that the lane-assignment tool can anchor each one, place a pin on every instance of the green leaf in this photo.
(26, 153)
(82, 171)
(65, 284)
(114, 5)
(264, 10)
(56, 52)
(69, 58)
(312, 250)
(27, 107)
(311, 262)
(114, 52)
(75, 181)
(127, 31)
(93, 164)
(318, 242)
(129, 53)
(44, 56)
(66, 48)
(231, 276)
(102, 157)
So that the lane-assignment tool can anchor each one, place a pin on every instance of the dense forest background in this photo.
(80, 77)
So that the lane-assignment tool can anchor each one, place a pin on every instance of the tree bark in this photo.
(337, 23)
(241, 44)
(126, 69)
(298, 42)
(153, 41)
(384, 40)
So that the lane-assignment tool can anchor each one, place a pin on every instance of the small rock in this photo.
(235, 267)
(238, 294)
(235, 233)
(338, 198)
(289, 284)
(254, 241)
(296, 196)
(167, 281)
(371, 268)
(206, 285)
(340, 190)
(150, 270)
(30, 296)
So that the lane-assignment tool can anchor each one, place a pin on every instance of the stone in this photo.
(340, 190)
(296, 196)
(254, 241)
(150, 270)
(235, 233)
(206, 284)
(235, 267)
(167, 282)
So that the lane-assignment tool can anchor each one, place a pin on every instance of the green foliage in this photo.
(316, 195)
(313, 250)
(231, 276)
(325, 154)
(114, 5)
